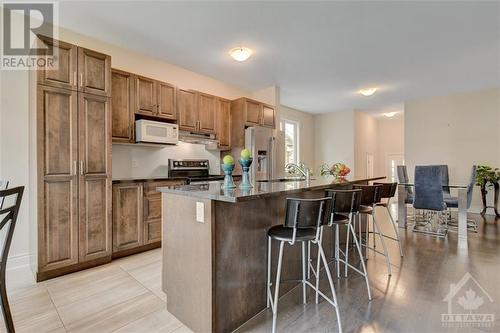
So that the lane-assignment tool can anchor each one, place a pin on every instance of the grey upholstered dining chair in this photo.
(445, 180)
(429, 197)
(404, 179)
(452, 202)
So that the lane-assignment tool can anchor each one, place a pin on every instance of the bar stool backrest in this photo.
(387, 190)
(8, 214)
(470, 186)
(370, 194)
(307, 213)
(345, 201)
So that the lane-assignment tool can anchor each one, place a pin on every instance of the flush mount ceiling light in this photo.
(240, 53)
(390, 114)
(368, 91)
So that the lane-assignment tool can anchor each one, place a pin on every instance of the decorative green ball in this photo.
(245, 154)
(228, 159)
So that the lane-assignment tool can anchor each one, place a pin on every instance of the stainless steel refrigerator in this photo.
(267, 147)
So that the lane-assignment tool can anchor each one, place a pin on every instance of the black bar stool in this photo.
(304, 221)
(387, 192)
(369, 197)
(346, 208)
(9, 214)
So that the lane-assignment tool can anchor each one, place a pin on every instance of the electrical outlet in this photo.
(200, 212)
(135, 163)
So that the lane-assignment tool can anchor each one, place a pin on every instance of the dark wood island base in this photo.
(214, 272)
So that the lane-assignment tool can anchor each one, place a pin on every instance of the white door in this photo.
(369, 165)
(391, 163)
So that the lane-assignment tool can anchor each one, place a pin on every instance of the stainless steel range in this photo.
(194, 170)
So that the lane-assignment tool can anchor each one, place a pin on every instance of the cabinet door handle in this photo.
(81, 167)
(75, 168)
(75, 79)
(81, 79)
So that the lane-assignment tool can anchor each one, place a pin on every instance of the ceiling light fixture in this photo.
(368, 91)
(390, 114)
(240, 53)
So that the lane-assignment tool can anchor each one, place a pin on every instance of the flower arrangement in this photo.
(337, 170)
(487, 176)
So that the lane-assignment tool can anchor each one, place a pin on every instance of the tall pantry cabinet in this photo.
(73, 123)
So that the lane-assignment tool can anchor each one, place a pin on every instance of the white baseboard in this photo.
(18, 261)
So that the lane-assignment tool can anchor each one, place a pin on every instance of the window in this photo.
(291, 129)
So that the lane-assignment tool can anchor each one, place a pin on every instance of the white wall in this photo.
(390, 140)
(141, 161)
(365, 142)
(459, 130)
(306, 133)
(334, 139)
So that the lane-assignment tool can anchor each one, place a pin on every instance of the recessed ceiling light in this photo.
(390, 114)
(368, 91)
(240, 53)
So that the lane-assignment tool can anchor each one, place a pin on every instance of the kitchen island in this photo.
(214, 248)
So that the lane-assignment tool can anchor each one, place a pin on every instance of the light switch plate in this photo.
(200, 212)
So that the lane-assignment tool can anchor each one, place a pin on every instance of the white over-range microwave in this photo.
(156, 132)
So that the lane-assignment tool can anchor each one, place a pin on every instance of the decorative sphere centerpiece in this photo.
(228, 168)
(245, 162)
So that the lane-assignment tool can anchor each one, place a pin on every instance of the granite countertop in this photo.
(145, 179)
(213, 190)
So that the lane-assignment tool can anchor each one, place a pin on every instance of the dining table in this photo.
(462, 208)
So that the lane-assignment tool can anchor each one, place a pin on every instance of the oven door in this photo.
(156, 132)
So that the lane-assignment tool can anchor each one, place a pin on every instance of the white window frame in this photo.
(296, 138)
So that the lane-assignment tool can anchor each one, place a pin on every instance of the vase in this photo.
(245, 178)
(228, 176)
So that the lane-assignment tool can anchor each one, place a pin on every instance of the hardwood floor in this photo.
(126, 296)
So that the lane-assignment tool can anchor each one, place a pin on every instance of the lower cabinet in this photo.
(127, 216)
(137, 216)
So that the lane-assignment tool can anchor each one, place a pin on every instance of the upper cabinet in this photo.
(247, 112)
(65, 74)
(145, 96)
(94, 72)
(268, 116)
(207, 108)
(196, 111)
(224, 123)
(77, 68)
(122, 108)
(166, 100)
(155, 98)
(187, 110)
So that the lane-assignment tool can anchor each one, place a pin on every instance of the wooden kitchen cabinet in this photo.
(268, 116)
(127, 216)
(145, 96)
(122, 90)
(187, 110)
(65, 73)
(94, 113)
(57, 115)
(73, 111)
(197, 111)
(94, 72)
(166, 101)
(246, 112)
(253, 112)
(155, 98)
(137, 215)
(224, 123)
(207, 108)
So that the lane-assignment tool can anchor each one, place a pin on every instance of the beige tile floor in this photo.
(123, 296)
